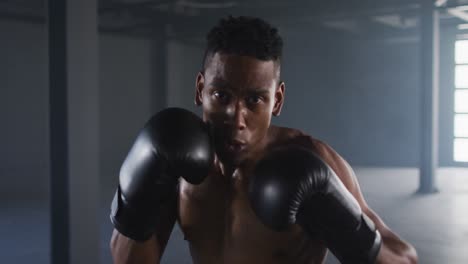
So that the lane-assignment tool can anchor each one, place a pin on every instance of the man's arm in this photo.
(394, 249)
(174, 143)
(126, 251)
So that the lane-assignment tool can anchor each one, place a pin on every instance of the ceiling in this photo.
(191, 18)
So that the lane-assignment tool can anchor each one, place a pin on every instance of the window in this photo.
(460, 142)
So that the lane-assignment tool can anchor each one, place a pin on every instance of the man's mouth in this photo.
(234, 145)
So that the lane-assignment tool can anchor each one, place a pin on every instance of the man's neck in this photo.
(233, 169)
(229, 169)
(237, 170)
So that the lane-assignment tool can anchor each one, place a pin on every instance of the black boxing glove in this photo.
(292, 185)
(174, 143)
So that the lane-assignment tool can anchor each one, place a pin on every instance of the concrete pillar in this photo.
(74, 124)
(430, 38)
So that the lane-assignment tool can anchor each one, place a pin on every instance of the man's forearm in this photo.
(395, 251)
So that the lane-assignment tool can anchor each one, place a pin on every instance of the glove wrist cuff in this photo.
(129, 222)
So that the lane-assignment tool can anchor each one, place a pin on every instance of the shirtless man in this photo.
(243, 190)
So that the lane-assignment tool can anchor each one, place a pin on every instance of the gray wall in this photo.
(23, 103)
(125, 101)
(360, 96)
(183, 66)
(125, 83)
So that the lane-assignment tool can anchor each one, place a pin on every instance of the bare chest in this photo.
(220, 227)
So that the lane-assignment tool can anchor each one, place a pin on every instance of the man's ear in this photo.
(199, 85)
(279, 99)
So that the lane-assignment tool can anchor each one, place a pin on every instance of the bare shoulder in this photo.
(279, 136)
(286, 135)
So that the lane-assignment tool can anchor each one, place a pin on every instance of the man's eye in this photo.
(221, 95)
(254, 99)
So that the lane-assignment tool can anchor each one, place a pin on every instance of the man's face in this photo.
(239, 94)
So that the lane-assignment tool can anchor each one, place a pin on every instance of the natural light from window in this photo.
(460, 142)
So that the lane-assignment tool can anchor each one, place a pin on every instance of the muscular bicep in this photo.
(127, 251)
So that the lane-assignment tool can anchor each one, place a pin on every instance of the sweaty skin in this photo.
(239, 95)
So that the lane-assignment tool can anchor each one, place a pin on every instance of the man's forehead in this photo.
(260, 88)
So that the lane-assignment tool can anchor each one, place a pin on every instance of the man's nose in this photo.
(236, 113)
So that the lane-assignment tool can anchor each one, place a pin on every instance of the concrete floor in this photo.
(436, 224)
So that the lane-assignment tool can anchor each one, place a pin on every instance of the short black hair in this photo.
(245, 36)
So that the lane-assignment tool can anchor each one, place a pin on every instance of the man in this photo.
(226, 201)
